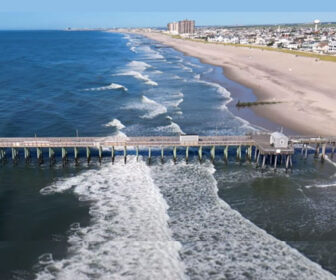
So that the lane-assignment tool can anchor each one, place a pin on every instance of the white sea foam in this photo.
(109, 87)
(128, 237)
(217, 241)
(139, 76)
(116, 123)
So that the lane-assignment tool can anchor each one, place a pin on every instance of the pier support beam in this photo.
(76, 155)
(162, 154)
(187, 154)
(100, 154)
(125, 154)
(137, 153)
(174, 154)
(323, 152)
(52, 159)
(213, 153)
(88, 155)
(39, 155)
(64, 156)
(200, 153)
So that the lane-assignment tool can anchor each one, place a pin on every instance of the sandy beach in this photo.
(305, 87)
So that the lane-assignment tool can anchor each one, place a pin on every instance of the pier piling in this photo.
(88, 155)
(187, 154)
(317, 151)
(64, 156)
(200, 153)
(323, 152)
(263, 162)
(174, 154)
(275, 162)
(113, 154)
(162, 154)
(137, 153)
(149, 155)
(226, 154)
(39, 155)
(51, 156)
(76, 155)
(125, 154)
(213, 153)
(100, 154)
(27, 154)
(239, 153)
(332, 150)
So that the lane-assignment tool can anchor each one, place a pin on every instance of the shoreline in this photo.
(302, 85)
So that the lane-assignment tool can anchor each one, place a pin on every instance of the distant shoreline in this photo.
(303, 86)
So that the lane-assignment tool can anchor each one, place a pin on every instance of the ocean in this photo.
(147, 221)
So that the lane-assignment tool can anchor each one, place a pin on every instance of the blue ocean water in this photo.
(139, 221)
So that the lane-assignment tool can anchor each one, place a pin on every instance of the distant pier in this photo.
(256, 148)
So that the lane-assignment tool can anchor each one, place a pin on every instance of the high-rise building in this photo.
(181, 27)
(186, 26)
(173, 27)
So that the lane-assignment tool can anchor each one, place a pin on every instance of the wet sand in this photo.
(305, 87)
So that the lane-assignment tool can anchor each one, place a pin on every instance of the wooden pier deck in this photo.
(259, 143)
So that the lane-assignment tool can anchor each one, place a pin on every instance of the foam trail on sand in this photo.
(217, 242)
(109, 87)
(128, 237)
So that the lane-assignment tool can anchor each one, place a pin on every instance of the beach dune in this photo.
(305, 86)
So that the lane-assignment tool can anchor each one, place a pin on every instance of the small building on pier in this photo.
(279, 140)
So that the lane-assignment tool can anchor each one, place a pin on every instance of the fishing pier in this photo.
(255, 148)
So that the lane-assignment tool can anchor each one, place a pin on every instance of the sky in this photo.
(59, 14)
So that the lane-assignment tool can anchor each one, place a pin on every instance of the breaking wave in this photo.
(116, 123)
(154, 109)
(139, 76)
(173, 128)
(109, 87)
